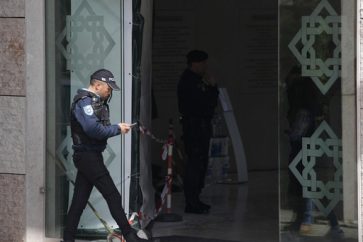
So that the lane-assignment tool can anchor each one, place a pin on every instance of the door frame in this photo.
(359, 107)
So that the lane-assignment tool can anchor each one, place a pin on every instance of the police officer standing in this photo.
(197, 99)
(90, 128)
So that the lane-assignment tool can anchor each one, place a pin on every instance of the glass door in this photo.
(83, 36)
(317, 145)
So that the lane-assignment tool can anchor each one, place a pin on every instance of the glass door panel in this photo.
(317, 161)
(82, 36)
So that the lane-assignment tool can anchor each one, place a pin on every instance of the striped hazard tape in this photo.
(147, 132)
(164, 192)
(164, 150)
(168, 145)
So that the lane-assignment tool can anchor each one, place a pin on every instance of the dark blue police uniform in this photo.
(90, 128)
(197, 101)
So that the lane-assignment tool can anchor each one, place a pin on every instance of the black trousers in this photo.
(92, 172)
(196, 136)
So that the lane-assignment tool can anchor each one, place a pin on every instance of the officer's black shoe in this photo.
(195, 209)
(132, 237)
(204, 205)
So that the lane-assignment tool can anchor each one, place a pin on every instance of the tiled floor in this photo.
(240, 212)
(245, 212)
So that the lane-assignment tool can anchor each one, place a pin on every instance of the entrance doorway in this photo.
(288, 68)
(241, 39)
(282, 64)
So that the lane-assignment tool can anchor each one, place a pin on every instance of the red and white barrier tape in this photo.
(147, 132)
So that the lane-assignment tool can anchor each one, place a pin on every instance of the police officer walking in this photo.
(90, 128)
(197, 99)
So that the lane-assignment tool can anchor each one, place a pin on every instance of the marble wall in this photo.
(12, 207)
(12, 71)
(360, 107)
(12, 120)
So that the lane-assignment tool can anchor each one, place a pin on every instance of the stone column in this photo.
(12, 120)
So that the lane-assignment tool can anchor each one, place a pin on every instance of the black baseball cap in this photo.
(105, 76)
(196, 56)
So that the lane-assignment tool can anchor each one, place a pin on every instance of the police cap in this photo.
(105, 76)
(196, 56)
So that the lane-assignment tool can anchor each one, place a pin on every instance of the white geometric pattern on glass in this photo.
(83, 56)
(64, 155)
(312, 148)
(322, 64)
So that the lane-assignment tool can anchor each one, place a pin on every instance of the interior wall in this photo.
(241, 39)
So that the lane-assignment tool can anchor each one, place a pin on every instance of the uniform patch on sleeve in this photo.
(88, 110)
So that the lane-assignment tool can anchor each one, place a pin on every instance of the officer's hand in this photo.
(209, 79)
(124, 127)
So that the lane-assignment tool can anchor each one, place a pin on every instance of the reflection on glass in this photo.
(311, 123)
